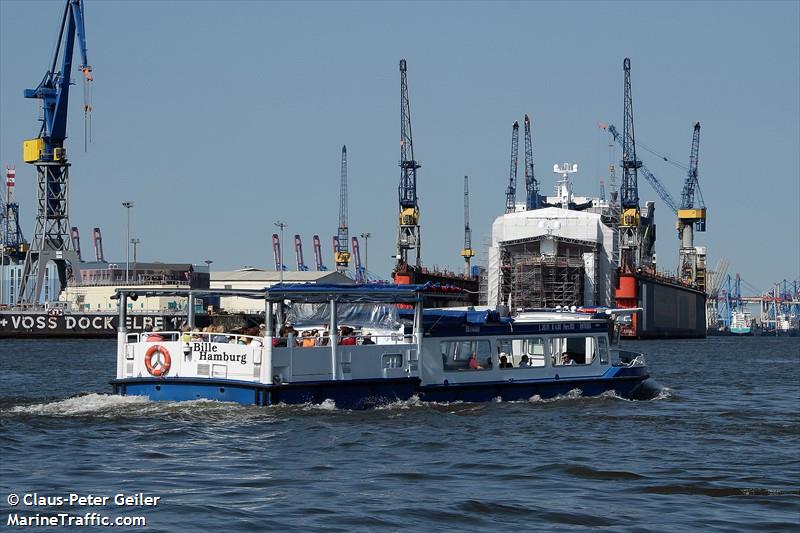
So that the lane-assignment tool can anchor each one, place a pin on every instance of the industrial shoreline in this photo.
(547, 251)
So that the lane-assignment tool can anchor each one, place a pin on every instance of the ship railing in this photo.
(201, 336)
(208, 355)
(391, 356)
(122, 283)
(301, 341)
(628, 358)
(176, 354)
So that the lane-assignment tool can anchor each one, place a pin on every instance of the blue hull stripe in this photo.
(358, 394)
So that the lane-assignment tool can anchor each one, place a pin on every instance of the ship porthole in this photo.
(158, 387)
(222, 390)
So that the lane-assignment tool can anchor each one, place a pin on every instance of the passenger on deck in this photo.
(218, 329)
(307, 340)
(280, 340)
(473, 363)
(367, 339)
(567, 359)
(346, 336)
(293, 334)
(324, 340)
(504, 362)
(524, 362)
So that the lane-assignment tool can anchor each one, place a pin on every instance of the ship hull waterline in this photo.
(628, 383)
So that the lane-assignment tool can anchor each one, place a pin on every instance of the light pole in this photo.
(127, 206)
(135, 242)
(366, 237)
(281, 224)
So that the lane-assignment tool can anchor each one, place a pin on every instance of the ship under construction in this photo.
(566, 250)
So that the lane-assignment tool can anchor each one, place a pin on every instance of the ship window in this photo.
(602, 344)
(573, 351)
(455, 354)
(521, 353)
(392, 360)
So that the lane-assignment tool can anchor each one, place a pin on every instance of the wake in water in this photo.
(113, 406)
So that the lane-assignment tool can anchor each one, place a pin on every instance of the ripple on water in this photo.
(716, 449)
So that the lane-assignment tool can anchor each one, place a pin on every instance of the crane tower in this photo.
(341, 253)
(637, 232)
(511, 190)
(408, 236)
(533, 200)
(467, 252)
(691, 263)
(51, 237)
(11, 238)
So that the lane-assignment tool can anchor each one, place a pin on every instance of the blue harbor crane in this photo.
(691, 216)
(689, 213)
(511, 190)
(657, 186)
(533, 200)
(51, 240)
(629, 190)
(408, 237)
(637, 230)
(341, 253)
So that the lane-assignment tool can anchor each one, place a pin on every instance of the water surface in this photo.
(718, 450)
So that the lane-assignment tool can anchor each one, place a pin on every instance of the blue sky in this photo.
(218, 118)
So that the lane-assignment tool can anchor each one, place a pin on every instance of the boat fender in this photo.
(164, 364)
(187, 349)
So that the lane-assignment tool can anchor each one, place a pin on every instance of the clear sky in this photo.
(219, 118)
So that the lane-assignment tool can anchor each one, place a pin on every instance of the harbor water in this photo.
(719, 449)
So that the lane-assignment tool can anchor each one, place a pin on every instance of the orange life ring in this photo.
(163, 368)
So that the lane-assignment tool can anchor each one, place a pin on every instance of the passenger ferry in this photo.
(378, 346)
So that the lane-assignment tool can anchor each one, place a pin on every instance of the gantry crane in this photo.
(277, 254)
(361, 272)
(97, 239)
(408, 235)
(318, 254)
(341, 254)
(75, 235)
(298, 254)
(691, 263)
(533, 200)
(467, 252)
(511, 190)
(51, 240)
